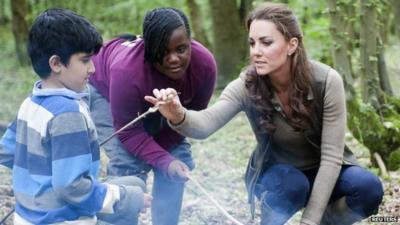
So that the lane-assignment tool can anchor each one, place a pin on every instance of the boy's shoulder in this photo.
(41, 112)
(53, 104)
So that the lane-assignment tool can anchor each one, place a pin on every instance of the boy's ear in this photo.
(55, 64)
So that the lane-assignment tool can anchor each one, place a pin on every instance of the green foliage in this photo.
(314, 21)
(15, 81)
(206, 23)
(378, 132)
(394, 160)
(377, 123)
(5, 15)
(112, 17)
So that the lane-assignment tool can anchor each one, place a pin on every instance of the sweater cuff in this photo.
(164, 162)
(180, 122)
(113, 195)
(308, 222)
(178, 125)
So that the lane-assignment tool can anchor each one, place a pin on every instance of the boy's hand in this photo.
(147, 198)
(178, 170)
(170, 106)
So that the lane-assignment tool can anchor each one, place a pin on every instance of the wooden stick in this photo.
(381, 165)
(150, 110)
(7, 215)
(224, 212)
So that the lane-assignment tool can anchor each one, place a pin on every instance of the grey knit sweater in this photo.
(201, 124)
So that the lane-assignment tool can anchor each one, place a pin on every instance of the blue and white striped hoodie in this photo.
(56, 161)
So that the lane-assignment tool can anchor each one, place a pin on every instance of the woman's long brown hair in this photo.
(260, 87)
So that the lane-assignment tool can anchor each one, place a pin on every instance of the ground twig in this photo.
(381, 165)
(223, 211)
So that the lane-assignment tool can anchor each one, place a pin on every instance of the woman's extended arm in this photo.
(201, 124)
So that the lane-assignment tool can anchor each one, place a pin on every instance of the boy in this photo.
(53, 144)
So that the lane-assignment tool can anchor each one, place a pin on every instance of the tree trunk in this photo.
(369, 56)
(3, 17)
(20, 29)
(382, 39)
(396, 11)
(384, 80)
(196, 19)
(341, 51)
(352, 35)
(363, 120)
(244, 8)
(350, 11)
(306, 15)
(229, 39)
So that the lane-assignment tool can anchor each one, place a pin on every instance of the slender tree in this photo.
(342, 47)
(352, 35)
(19, 10)
(197, 21)
(3, 17)
(229, 39)
(368, 52)
(383, 25)
(373, 120)
(244, 8)
(396, 9)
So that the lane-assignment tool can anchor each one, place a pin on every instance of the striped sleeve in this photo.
(72, 160)
(7, 146)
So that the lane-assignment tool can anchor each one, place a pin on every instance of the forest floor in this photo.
(221, 162)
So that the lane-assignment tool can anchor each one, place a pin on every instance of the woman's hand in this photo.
(169, 105)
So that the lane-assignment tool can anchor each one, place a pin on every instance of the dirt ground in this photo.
(221, 162)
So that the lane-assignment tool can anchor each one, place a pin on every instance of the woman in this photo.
(128, 70)
(298, 114)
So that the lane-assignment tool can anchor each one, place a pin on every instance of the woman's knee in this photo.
(284, 185)
(367, 191)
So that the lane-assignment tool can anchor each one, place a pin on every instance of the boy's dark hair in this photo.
(63, 33)
(158, 26)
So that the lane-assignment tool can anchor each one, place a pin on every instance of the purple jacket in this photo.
(124, 78)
